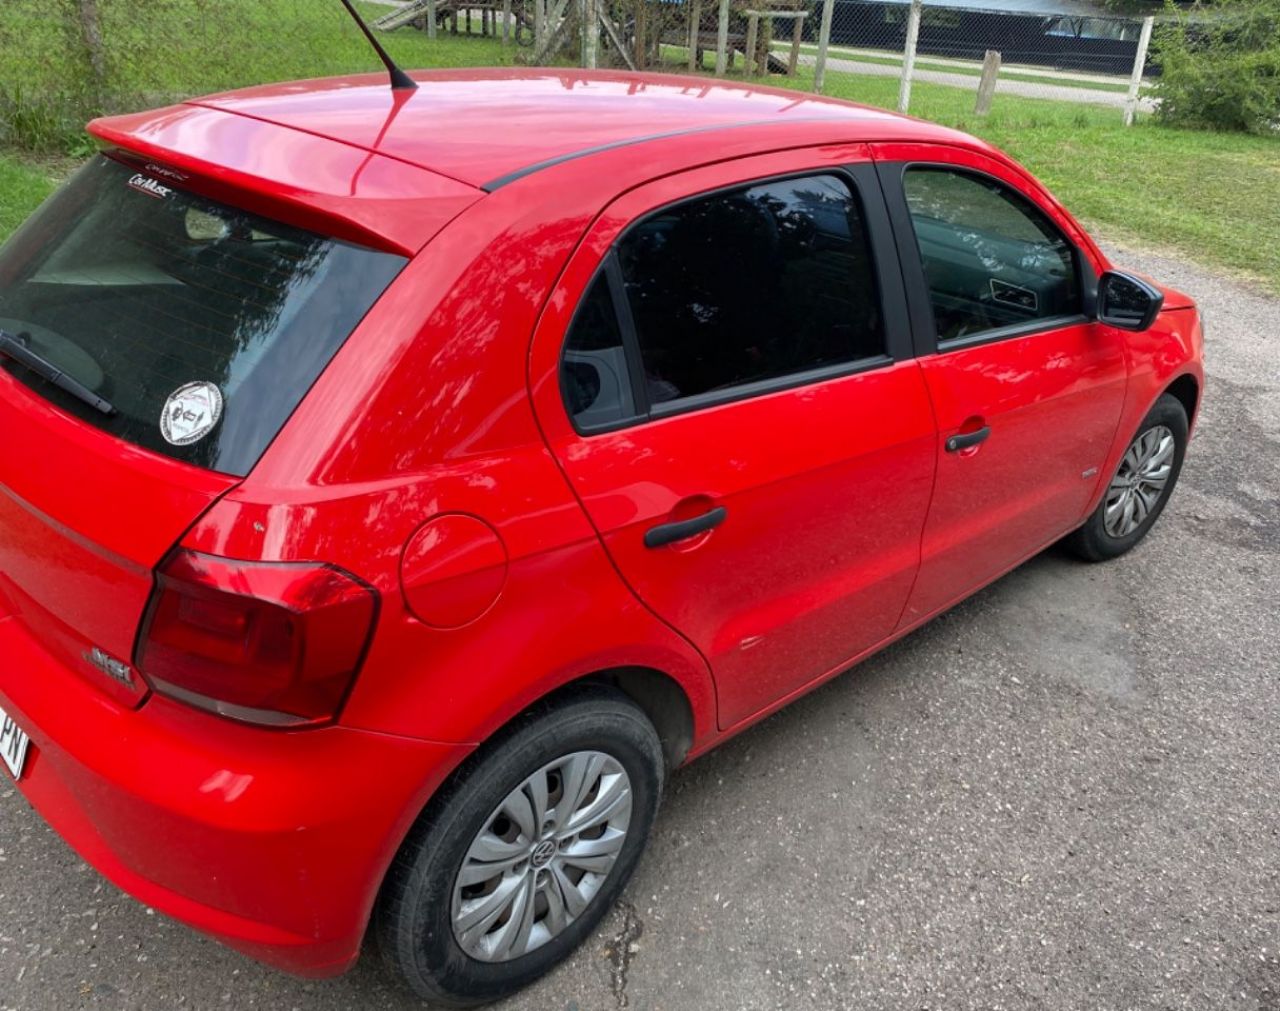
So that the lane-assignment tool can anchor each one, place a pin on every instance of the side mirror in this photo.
(1127, 302)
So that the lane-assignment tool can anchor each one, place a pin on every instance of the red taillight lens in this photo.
(275, 644)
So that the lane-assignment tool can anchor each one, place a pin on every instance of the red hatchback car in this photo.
(395, 486)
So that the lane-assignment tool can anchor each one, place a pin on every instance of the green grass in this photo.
(1209, 196)
(22, 187)
(192, 46)
(180, 48)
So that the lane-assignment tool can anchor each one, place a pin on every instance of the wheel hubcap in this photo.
(541, 857)
(1139, 482)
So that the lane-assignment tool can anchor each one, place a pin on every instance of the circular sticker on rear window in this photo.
(190, 413)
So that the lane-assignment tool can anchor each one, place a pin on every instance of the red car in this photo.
(397, 485)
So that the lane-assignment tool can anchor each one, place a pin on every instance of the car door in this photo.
(725, 376)
(1027, 389)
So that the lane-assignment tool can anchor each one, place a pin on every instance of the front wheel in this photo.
(1140, 487)
(519, 859)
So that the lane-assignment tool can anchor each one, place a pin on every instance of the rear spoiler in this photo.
(311, 182)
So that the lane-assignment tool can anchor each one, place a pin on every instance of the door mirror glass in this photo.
(1127, 302)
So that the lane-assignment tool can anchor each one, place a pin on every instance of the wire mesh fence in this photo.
(1066, 58)
(63, 61)
(1090, 60)
(1062, 42)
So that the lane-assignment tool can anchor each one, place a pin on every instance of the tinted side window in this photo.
(593, 374)
(991, 259)
(752, 284)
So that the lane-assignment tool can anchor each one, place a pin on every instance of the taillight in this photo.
(271, 643)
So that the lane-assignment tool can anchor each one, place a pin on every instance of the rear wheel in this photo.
(519, 859)
(1140, 487)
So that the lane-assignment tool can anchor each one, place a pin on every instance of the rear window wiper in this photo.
(16, 349)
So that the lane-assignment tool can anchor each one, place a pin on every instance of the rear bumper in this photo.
(273, 842)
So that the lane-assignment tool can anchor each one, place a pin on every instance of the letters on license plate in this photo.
(13, 745)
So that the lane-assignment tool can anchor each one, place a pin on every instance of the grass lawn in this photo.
(1210, 196)
(22, 187)
(183, 48)
(193, 46)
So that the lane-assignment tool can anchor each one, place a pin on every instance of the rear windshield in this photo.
(200, 326)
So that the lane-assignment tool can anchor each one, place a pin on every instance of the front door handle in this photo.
(668, 533)
(959, 442)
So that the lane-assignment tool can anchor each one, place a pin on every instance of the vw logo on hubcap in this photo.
(542, 853)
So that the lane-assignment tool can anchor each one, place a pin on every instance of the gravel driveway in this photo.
(1064, 794)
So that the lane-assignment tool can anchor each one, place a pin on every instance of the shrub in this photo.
(1220, 67)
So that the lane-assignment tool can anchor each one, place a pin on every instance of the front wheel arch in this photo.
(1092, 541)
(1186, 391)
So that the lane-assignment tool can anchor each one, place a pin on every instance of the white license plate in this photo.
(13, 745)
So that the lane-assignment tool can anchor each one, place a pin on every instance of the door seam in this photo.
(933, 489)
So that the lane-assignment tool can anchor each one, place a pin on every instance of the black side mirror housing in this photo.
(1127, 302)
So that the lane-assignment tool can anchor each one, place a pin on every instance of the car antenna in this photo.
(400, 81)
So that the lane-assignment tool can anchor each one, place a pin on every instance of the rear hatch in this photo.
(153, 342)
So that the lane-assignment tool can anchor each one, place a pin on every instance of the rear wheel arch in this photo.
(415, 920)
(661, 697)
(663, 700)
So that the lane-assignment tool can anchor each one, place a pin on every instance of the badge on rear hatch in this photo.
(147, 185)
(190, 413)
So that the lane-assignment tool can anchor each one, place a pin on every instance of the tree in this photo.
(1220, 67)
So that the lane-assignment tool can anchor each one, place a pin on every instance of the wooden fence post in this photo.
(987, 83)
(749, 50)
(797, 36)
(1139, 65)
(506, 22)
(591, 34)
(431, 19)
(824, 40)
(642, 36)
(909, 55)
(761, 53)
(695, 34)
(722, 38)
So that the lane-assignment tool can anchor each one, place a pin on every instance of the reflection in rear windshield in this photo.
(141, 291)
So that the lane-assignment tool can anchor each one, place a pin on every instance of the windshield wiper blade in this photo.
(12, 347)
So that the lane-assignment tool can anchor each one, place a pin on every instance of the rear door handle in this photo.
(668, 533)
(959, 442)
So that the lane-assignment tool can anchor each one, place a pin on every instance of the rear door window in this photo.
(202, 325)
(755, 284)
(726, 295)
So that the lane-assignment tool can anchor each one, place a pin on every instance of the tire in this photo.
(1105, 536)
(476, 817)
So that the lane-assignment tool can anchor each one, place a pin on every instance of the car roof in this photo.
(484, 127)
